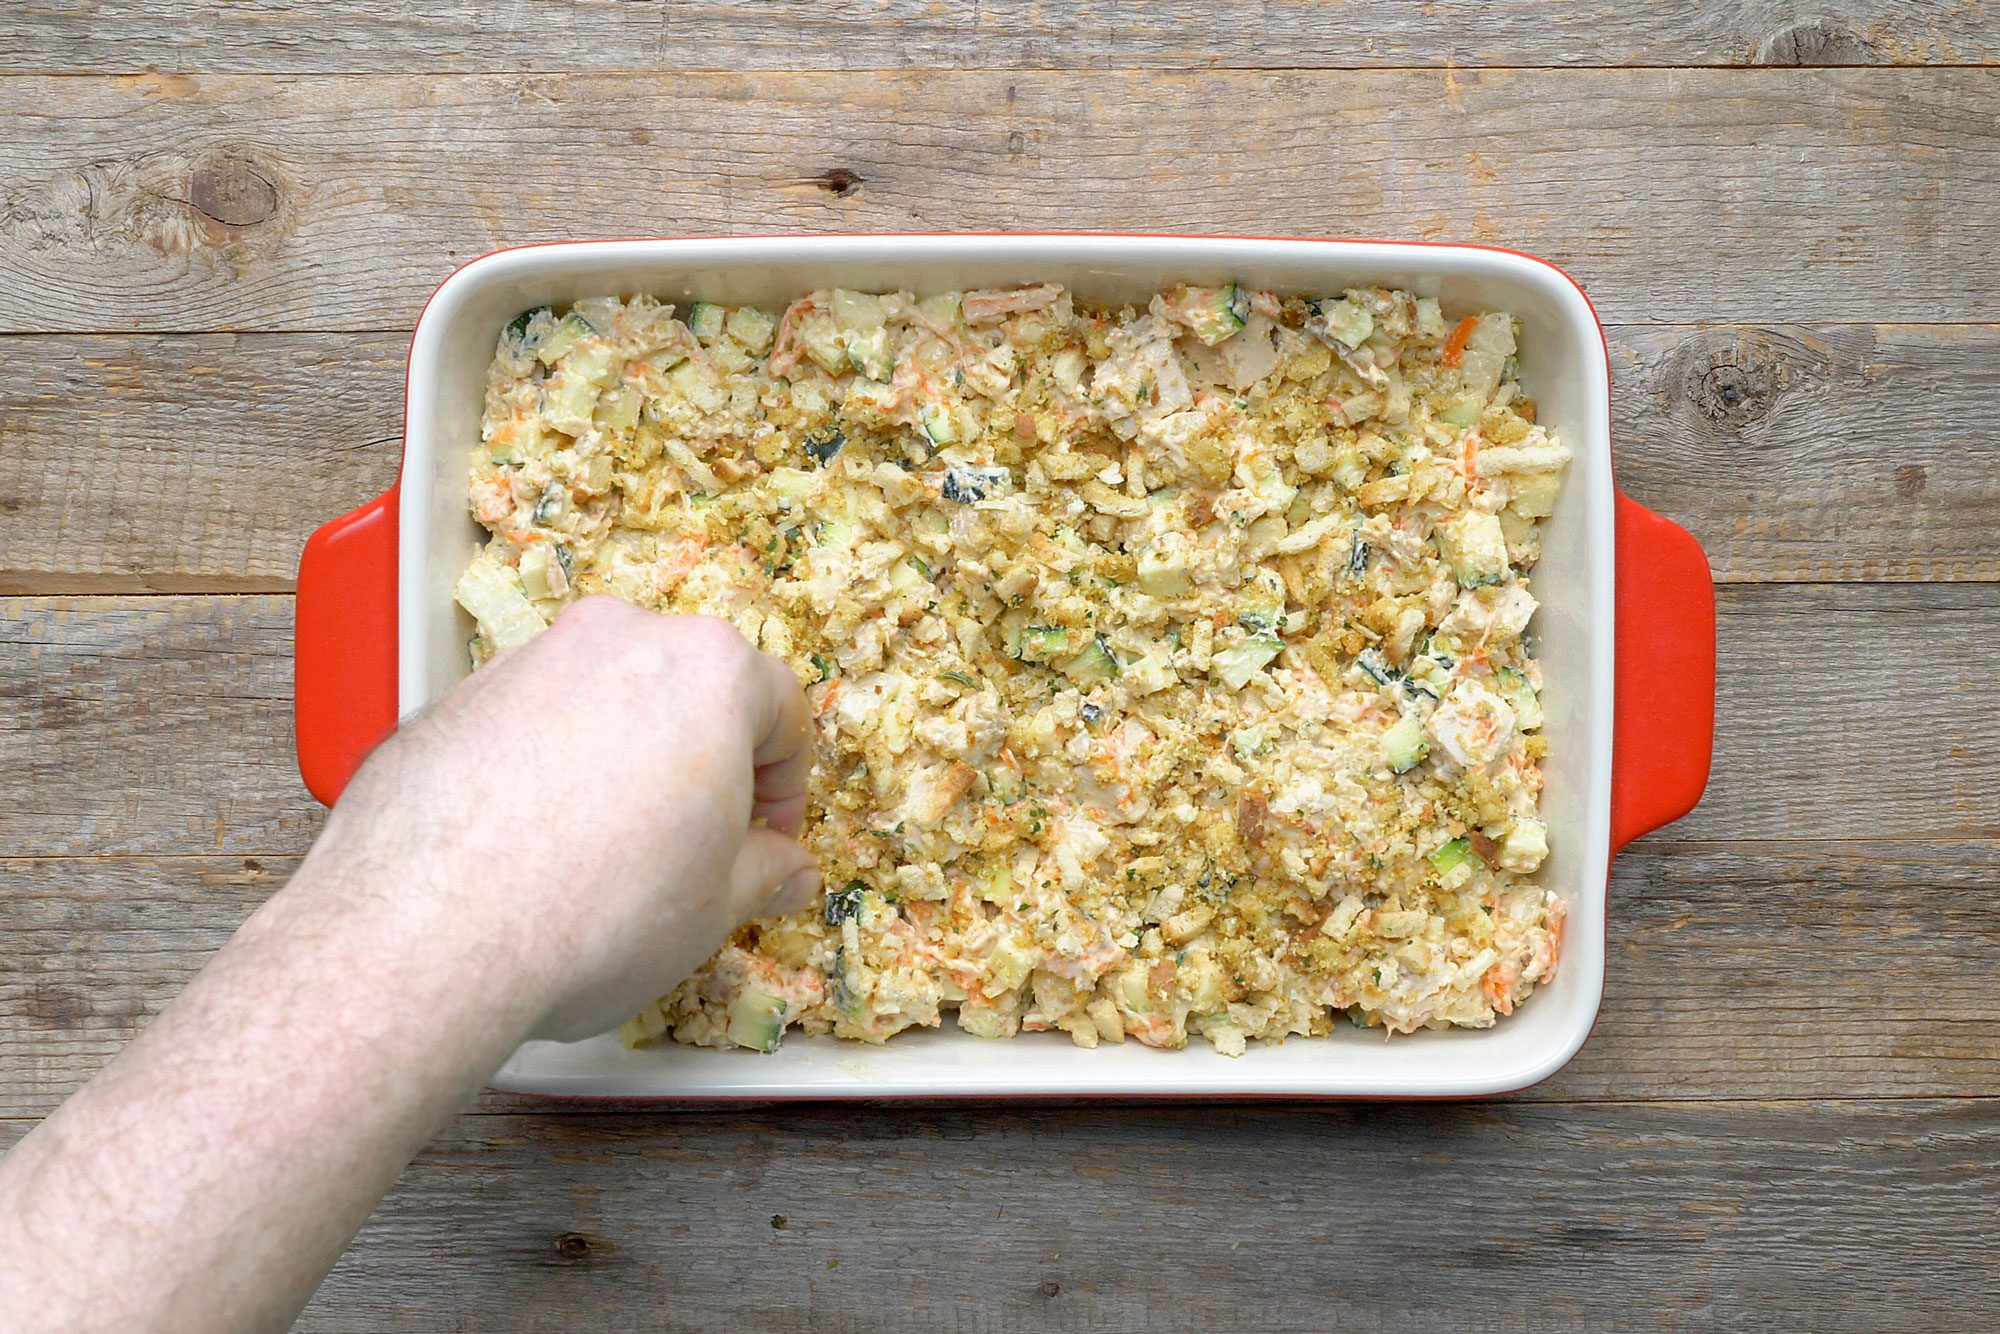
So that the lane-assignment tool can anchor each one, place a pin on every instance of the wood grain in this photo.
(1842, 1215)
(234, 202)
(390, 36)
(189, 463)
(201, 463)
(164, 725)
(1853, 1214)
(1767, 970)
(1831, 453)
(149, 725)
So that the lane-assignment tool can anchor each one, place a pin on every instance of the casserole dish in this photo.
(1626, 635)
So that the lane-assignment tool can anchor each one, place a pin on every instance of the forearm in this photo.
(211, 1176)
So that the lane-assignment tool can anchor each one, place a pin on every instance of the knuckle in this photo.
(713, 638)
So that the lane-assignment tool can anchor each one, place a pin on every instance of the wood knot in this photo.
(228, 190)
(1736, 395)
(1816, 42)
(839, 182)
(1049, 1288)
(1726, 381)
(580, 1245)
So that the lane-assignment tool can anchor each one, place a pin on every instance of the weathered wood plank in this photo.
(1832, 453)
(1852, 1215)
(388, 36)
(164, 725)
(170, 463)
(337, 203)
(187, 463)
(1758, 970)
(149, 725)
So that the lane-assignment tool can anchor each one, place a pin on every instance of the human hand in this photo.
(570, 829)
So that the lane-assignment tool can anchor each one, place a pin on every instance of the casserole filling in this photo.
(1168, 664)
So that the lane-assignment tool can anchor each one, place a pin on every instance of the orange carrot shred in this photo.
(1454, 346)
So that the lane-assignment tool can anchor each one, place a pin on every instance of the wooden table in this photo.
(218, 222)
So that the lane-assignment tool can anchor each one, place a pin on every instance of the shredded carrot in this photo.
(1454, 346)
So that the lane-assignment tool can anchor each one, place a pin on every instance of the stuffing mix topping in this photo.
(1167, 664)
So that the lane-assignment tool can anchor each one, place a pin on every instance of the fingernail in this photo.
(797, 891)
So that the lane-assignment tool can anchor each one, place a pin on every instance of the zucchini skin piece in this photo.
(967, 485)
(822, 444)
(844, 902)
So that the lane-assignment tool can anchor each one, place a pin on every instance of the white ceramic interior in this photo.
(1563, 366)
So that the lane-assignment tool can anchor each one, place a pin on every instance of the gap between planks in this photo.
(1112, 1104)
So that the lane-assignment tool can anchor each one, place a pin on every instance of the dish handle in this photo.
(1663, 728)
(344, 645)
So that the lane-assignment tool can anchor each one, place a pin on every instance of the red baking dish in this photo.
(1626, 635)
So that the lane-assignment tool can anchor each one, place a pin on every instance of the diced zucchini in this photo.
(856, 311)
(1475, 547)
(1260, 620)
(1486, 353)
(822, 443)
(750, 327)
(1094, 664)
(1405, 744)
(1042, 643)
(821, 338)
(937, 423)
(731, 358)
(792, 485)
(569, 331)
(1449, 856)
(497, 601)
(1535, 494)
(1235, 666)
(868, 350)
(1463, 410)
(1006, 788)
(870, 401)
(705, 320)
(996, 883)
(944, 307)
(569, 402)
(1427, 674)
(526, 331)
(699, 385)
(966, 484)
(1344, 321)
(617, 410)
(596, 361)
(644, 1028)
(1008, 966)
(756, 1020)
(1521, 696)
(1214, 313)
(534, 571)
(1163, 573)
(516, 441)
(908, 574)
(1151, 673)
(844, 902)
(550, 504)
(837, 534)
(1250, 742)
